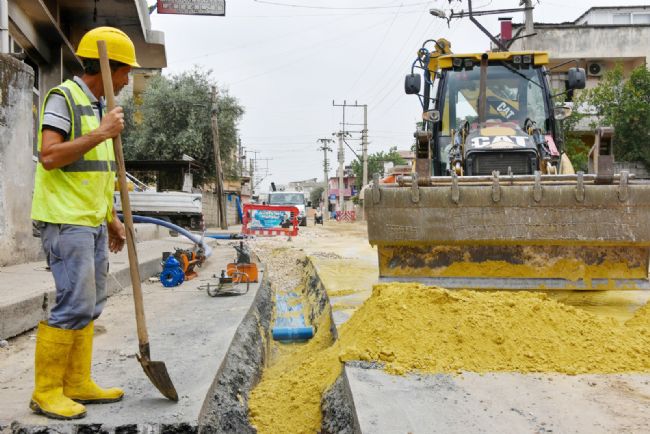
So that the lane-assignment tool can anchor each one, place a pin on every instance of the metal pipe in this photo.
(482, 92)
(4, 26)
(483, 29)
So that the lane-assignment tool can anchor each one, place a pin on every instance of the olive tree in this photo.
(172, 117)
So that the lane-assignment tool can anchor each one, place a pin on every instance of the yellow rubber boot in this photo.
(53, 347)
(77, 383)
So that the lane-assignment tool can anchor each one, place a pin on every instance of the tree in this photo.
(576, 149)
(315, 196)
(625, 105)
(375, 164)
(172, 118)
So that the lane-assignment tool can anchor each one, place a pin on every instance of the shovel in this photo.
(156, 371)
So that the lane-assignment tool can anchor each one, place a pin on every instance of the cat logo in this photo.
(506, 111)
(499, 142)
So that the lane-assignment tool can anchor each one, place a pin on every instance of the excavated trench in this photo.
(411, 328)
(226, 409)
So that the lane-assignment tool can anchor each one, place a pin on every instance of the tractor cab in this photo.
(488, 112)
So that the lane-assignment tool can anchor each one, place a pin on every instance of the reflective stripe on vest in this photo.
(87, 166)
(81, 192)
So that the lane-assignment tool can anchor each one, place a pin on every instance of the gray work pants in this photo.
(78, 257)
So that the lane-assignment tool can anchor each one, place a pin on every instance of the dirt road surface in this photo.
(183, 333)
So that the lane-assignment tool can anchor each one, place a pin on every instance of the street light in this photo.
(437, 13)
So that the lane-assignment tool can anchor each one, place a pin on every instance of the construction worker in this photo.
(73, 207)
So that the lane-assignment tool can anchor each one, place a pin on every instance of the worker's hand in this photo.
(112, 123)
(116, 235)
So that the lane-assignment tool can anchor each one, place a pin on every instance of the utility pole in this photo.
(252, 176)
(364, 135)
(253, 167)
(240, 160)
(364, 145)
(326, 195)
(221, 196)
(341, 159)
(528, 20)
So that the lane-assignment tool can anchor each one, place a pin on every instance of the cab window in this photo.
(512, 95)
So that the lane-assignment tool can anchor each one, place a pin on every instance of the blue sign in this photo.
(265, 219)
(332, 196)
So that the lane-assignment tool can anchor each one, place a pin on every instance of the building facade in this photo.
(598, 40)
(37, 51)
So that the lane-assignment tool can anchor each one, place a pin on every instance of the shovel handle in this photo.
(107, 79)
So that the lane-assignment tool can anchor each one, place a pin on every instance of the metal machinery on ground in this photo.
(179, 266)
(237, 277)
(493, 202)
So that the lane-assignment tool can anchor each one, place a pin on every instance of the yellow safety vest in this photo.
(80, 193)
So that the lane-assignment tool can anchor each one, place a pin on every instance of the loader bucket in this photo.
(539, 232)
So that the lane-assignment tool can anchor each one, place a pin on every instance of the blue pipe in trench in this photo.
(290, 327)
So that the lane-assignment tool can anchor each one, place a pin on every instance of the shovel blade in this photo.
(159, 377)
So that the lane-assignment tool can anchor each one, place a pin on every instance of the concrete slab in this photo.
(189, 331)
(499, 402)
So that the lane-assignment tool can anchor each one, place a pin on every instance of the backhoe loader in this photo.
(493, 202)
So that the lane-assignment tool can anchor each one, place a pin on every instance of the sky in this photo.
(287, 61)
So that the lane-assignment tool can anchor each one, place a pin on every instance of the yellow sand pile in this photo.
(411, 327)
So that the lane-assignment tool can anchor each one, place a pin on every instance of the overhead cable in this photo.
(339, 8)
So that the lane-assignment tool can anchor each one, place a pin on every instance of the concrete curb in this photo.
(316, 289)
(30, 302)
(337, 404)
(225, 409)
(20, 315)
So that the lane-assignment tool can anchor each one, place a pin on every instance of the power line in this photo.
(255, 43)
(391, 89)
(272, 3)
(403, 49)
(377, 48)
(309, 53)
(344, 14)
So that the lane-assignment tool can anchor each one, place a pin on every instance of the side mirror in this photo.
(431, 116)
(562, 112)
(577, 78)
(412, 84)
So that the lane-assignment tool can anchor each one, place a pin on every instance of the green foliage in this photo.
(375, 164)
(173, 118)
(315, 196)
(574, 147)
(625, 105)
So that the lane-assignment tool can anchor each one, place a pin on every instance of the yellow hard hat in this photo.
(119, 46)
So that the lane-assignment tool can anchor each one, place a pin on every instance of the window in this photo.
(286, 199)
(643, 18)
(511, 96)
(621, 19)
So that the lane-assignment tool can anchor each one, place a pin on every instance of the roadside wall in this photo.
(211, 209)
(17, 245)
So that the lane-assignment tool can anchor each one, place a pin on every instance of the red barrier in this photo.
(346, 216)
(270, 220)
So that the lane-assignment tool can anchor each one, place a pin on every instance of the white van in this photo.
(290, 198)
